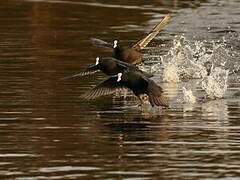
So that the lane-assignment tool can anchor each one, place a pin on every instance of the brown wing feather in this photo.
(155, 94)
(144, 42)
(106, 87)
(158, 100)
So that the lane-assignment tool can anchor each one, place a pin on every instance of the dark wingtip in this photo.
(100, 43)
(81, 74)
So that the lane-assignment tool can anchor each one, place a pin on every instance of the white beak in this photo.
(97, 60)
(119, 77)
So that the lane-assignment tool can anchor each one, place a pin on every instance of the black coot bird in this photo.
(136, 82)
(132, 55)
(110, 66)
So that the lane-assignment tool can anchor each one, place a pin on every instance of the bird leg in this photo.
(142, 99)
(145, 97)
(141, 102)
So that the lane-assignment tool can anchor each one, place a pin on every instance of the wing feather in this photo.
(144, 42)
(92, 69)
(106, 87)
(101, 43)
(155, 94)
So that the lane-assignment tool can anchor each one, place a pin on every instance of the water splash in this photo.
(170, 73)
(188, 96)
(210, 61)
(189, 60)
(185, 57)
(216, 109)
(215, 85)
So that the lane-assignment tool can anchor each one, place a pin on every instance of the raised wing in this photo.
(144, 42)
(106, 87)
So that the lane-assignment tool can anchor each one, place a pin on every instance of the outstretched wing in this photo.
(106, 87)
(89, 70)
(144, 42)
(101, 43)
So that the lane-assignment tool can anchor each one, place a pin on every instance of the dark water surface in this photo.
(48, 132)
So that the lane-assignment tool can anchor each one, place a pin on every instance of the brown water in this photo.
(48, 132)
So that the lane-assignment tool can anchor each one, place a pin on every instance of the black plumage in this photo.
(110, 66)
(132, 54)
(139, 84)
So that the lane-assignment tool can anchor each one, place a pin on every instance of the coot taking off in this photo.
(136, 82)
(129, 55)
(110, 66)
(132, 55)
